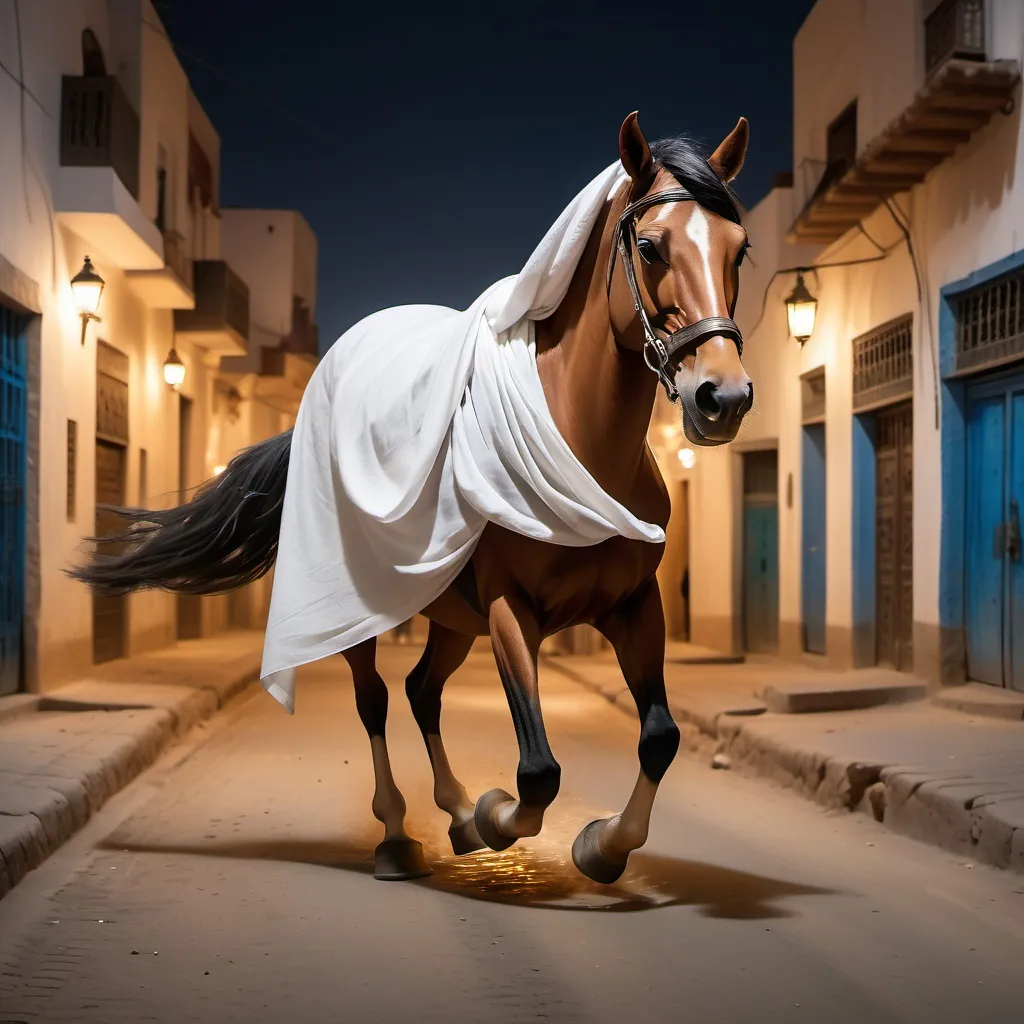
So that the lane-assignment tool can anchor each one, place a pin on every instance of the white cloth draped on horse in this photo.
(421, 425)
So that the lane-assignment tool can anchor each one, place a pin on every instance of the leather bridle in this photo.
(660, 351)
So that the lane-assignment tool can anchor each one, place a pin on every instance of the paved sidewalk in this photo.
(943, 776)
(65, 753)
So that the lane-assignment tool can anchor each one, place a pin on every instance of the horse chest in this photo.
(566, 586)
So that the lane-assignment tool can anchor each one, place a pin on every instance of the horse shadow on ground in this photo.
(529, 876)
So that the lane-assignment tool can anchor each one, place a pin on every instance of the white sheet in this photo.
(421, 425)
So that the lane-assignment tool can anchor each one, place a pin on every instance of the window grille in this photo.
(990, 323)
(883, 364)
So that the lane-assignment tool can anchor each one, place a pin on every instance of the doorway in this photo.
(813, 568)
(761, 552)
(894, 537)
(13, 468)
(190, 607)
(994, 577)
(110, 614)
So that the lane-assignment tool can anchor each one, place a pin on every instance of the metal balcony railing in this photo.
(956, 28)
(99, 128)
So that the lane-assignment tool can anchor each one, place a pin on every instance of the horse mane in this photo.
(685, 161)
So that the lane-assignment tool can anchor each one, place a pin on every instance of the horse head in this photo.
(674, 276)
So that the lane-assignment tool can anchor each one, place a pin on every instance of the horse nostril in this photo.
(749, 404)
(706, 400)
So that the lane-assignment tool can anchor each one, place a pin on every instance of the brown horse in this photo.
(594, 356)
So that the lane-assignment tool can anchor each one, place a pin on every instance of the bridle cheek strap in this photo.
(660, 352)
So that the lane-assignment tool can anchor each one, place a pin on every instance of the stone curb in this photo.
(43, 809)
(983, 820)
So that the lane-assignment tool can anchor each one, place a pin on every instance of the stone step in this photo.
(982, 699)
(848, 691)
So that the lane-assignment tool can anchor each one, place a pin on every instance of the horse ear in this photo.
(727, 160)
(635, 155)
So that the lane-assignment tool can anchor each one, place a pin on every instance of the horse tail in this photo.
(223, 538)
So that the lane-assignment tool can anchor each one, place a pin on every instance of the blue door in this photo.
(813, 538)
(994, 584)
(13, 389)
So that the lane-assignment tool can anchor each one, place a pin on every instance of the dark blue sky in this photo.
(431, 145)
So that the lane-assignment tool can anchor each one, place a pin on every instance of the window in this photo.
(883, 364)
(72, 496)
(990, 323)
(841, 145)
(161, 188)
(143, 478)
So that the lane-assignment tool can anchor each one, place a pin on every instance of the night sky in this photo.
(431, 145)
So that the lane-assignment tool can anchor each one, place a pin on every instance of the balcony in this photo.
(219, 322)
(282, 378)
(170, 287)
(962, 91)
(304, 337)
(95, 194)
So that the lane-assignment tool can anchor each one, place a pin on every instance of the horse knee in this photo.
(659, 742)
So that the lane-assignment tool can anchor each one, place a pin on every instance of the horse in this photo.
(655, 289)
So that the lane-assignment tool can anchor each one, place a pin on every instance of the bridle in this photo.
(659, 351)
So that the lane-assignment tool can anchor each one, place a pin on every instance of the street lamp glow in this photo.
(801, 309)
(687, 457)
(87, 290)
(174, 370)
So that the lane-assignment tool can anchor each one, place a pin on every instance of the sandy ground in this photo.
(232, 882)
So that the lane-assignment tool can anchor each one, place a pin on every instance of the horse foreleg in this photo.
(398, 857)
(500, 818)
(636, 629)
(446, 650)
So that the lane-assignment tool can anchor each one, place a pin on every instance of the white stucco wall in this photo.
(48, 255)
(967, 214)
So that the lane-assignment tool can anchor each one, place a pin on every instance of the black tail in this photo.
(225, 537)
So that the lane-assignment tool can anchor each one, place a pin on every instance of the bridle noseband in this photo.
(658, 352)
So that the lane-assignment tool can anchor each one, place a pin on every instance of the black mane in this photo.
(683, 159)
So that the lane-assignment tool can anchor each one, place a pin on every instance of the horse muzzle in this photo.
(714, 410)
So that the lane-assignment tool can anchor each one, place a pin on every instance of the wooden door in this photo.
(109, 614)
(894, 537)
(13, 462)
(760, 552)
(813, 576)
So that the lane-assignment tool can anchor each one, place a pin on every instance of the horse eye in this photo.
(649, 251)
(741, 255)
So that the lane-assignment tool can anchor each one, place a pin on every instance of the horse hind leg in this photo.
(397, 857)
(446, 650)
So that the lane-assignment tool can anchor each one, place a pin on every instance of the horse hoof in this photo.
(587, 856)
(483, 819)
(397, 860)
(465, 838)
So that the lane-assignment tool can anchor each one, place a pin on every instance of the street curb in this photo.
(53, 807)
(953, 811)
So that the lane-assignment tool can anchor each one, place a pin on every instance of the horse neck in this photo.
(600, 394)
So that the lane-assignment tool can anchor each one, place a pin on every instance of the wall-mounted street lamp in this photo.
(174, 370)
(87, 289)
(687, 458)
(801, 309)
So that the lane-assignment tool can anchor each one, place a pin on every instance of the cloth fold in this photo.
(421, 425)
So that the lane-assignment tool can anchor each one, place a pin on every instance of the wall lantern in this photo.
(801, 308)
(87, 289)
(687, 458)
(174, 370)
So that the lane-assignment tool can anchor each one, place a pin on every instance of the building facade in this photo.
(869, 512)
(111, 165)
